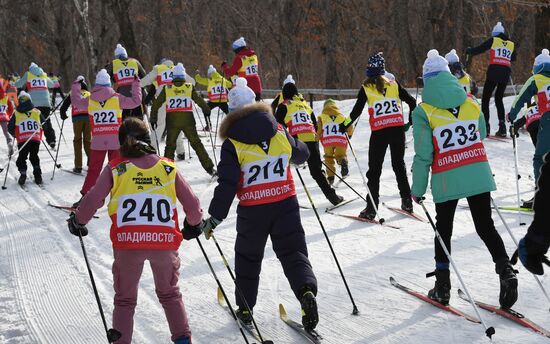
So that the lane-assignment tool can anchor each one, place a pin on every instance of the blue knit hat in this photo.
(376, 65)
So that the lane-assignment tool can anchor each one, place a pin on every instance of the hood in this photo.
(36, 70)
(25, 106)
(245, 51)
(102, 93)
(251, 124)
(443, 91)
(332, 110)
(168, 63)
(504, 36)
(215, 76)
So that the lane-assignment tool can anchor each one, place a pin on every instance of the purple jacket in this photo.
(101, 94)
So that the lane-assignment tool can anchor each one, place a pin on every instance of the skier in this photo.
(218, 88)
(295, 114)
(105, 109)
(502, 53)
(81, 126)
(11, 90)
(448, 131)
(178, 99)
(267, 201)
(130, 180)
(530, 120)
(6, 111)
(335, 143)
(279, 98)
(28, 124)
(154, 82)
(123, 69)
(539, 85)
(245, 65)
(457, 69)
(388, 129)
(56, 88)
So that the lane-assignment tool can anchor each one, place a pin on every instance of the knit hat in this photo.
(289, 79)
(179, 72)
(434, 64)
(498, 29)
(541, 61)
(239, 43)
(103, 79)
(120, 52)
(240, 95)
(452, 57)
(24, 96)
(211, 70)
(33, 65)
(376, 65)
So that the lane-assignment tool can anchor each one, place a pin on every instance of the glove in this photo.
(208, 225)
(191, 232)
(529, 257)
(406, 127)
(63, 115)
(52, 144)
(417, 199)
(75, 228)
(469, 51)
(153, 125)
(343, 128)
(420, 82)
(508, 117)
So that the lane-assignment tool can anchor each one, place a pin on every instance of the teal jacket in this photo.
(40, 98)
(528, 90)
(444, 91)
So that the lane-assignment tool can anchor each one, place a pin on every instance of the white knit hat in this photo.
(498, 29)
(240, 95)
(120, 51)
(179, 71)
(543, 57)
(389, 76)
(102, 78)
(452, 57)
(239, 43)
(23, 95)
(289, 80)
(434, 64)
(33, 65)
(211, 70)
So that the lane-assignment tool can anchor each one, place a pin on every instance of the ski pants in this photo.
(280, 221)
(394, 137)
(156, 135)
(315, 169)
(480, 208)
(55, 92)
(333, 153)
(221, 106)
(127, 269)
(82, 134)
(31, 151)
(488, 89)
(543, 143)
(94, 168)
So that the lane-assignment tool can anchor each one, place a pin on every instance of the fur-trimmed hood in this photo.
(251, 124)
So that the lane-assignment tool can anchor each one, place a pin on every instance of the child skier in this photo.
(295, 114)
(28, 124)
(279, 98)
(502, 55)
(539, 85)
(6, 111)
(178, 99)
(457, 69)
(335, 143)
(81, 126)
(245, 65)
(268, 206)
(140, 177)
(388, 128)
(105, 109)
(448, 132)
(217, 87)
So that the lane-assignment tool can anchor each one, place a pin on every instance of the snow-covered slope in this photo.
(46, 295)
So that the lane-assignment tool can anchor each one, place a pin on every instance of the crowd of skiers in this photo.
(261, 144)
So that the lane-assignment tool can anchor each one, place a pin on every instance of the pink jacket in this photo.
(95, 198)
(101, 94)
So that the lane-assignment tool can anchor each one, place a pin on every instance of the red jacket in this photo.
(254, 81)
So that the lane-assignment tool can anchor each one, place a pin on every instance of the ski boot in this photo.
(310, 317)
(180, 156)
(529, 203)
(335, 199)
(508, 284)
(38, 179)
(330, 180)
(77, 170)
(369, 212)
(182, 340)
(77, 203)
(501, 132)
(344, 170)
(441, 292)
(212, 172)
(406, 204)
(22, 179)
(244, 316)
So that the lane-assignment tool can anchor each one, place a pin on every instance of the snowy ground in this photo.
(46, 295)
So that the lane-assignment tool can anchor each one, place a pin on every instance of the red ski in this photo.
(406, 213)
(423, 297)
(510, 314)
(353, 217)
(67, 209)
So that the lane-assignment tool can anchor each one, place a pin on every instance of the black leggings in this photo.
(30, 151)
(488, 89)
(315, 169)
(480, 208)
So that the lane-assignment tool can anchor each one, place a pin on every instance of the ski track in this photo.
(46, 295)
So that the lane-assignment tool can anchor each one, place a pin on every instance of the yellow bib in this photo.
(385, 109)
(298, 119)
(331, 135)
(164, 75)
(178, 99)
(217, 93)
(543, 95)
(501, 52)
(4, 109)
(124, 71)
(28, 126)
(37, 82)
(465, 82)
(106, 117)
(249, 66)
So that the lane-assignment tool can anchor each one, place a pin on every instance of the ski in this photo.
(312, 337)
(249, 328)
(525, 210)
(498, 138)
(508, 314)
(357, 218)
(341, 204)
(405, 213)
(82, 174)
(339, 181)
(425, 298)
(66, 208)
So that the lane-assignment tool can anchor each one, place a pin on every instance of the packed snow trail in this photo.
(46, 296)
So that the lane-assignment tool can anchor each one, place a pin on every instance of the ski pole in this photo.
(239, 291)
(355, 311)
(57, 152)
(223, 292)
(198, 115)
(343, 181)
(517, 245)
(7, 171)
(380, 219)
(211, 141)
(514, 144)
(219, 103)
(112, 334)
(51, 155)
(489, 331)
